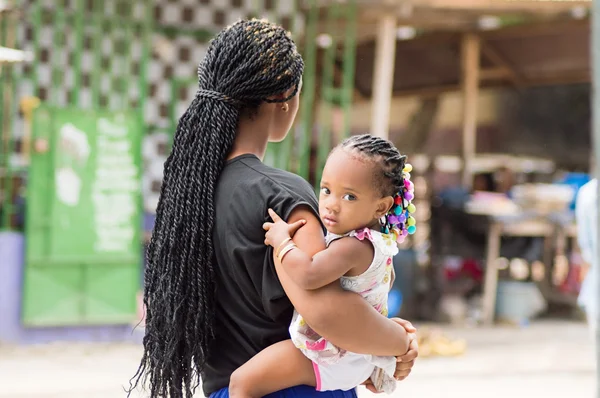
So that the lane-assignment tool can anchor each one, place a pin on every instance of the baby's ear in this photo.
(384, 205)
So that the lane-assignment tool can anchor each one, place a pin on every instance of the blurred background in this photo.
(490, 99)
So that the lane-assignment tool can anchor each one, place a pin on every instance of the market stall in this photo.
(427, 48)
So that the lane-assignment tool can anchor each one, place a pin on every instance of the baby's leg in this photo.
(275, 368)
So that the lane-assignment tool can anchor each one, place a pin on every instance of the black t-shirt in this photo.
(253, 311)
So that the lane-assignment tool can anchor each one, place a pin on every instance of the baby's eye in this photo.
(325, 191)
(349, 197)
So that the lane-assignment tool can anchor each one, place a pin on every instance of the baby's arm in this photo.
(275, 368)
(326, 266)
(329, 265)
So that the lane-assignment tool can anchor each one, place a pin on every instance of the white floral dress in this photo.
(373, 285)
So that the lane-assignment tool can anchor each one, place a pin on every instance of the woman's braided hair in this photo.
(391, 178)
(246, 64)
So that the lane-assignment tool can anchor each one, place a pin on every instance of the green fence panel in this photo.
(83, 250)
(11, 175)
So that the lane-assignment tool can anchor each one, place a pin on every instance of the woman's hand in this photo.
(404, 363)
(279, 231)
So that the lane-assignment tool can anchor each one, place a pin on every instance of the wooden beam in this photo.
(580, 77)
(481, 6)
(495, 5)
(428, 91)
(470, 55)
(499, 60)
(490, 81)
(494, 74)
(565, 26)
(424, 18)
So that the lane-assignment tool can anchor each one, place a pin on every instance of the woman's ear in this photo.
(383, 206)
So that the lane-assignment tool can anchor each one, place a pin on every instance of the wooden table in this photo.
(520, 225)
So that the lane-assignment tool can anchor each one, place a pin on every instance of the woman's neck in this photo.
(244, 148)
(252, 137)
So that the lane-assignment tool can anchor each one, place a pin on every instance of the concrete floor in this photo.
(549, 359)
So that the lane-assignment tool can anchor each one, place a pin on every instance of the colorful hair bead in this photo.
(399, 221)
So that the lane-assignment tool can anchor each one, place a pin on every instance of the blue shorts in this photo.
(296, 392)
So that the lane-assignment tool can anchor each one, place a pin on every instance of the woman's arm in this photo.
(344, 318)
(323, 268)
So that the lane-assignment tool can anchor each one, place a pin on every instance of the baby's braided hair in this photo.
(245, 65)
(392, 178)
(386, 157)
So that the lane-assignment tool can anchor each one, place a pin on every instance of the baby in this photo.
(365, 205)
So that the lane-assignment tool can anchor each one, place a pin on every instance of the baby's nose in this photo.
(333, 206)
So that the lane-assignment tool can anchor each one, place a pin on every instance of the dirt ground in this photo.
(549, 359)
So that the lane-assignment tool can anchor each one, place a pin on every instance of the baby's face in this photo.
(349, 199)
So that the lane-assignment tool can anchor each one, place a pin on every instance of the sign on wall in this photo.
(83, 217)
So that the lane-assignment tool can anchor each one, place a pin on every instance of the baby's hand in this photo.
(279, 231)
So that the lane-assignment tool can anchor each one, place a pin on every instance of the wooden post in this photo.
(471, 47)
(383, 76)
(490, 284)
(28, 106)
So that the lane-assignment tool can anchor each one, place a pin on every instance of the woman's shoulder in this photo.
(249, 170)
(252, 187)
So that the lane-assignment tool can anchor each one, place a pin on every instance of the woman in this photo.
(586, 212)
(213, 295)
